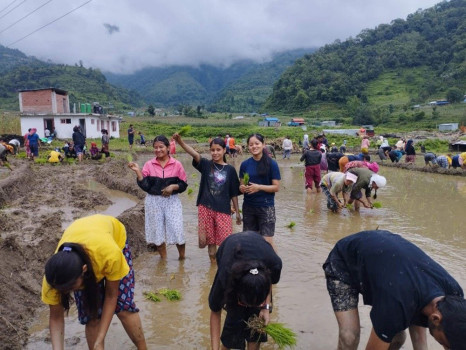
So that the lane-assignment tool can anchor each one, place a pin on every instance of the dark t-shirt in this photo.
(236, 247)
(332, 160)
(33, 140)
(130, 134)
(218, 185)
(261, 198)
(393, 275)
(79, 139)
(311, 157)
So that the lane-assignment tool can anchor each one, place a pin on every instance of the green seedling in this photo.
(152, 296)
(246, 178)
(184, 130)
(291, 224)
(281, 335)
(170, 294)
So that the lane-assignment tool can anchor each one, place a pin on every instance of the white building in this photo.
(49, 109)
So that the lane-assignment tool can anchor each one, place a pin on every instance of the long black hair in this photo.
(221, 142)
(64, 268)
(249, 284)
(264, 162)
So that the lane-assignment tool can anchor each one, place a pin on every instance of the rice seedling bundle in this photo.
(281, 335)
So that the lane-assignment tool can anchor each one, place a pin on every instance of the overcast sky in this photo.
(124, 36)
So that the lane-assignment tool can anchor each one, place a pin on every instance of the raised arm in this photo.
(191, 151)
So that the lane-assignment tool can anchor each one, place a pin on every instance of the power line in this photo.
(22, 2)
(55, 20)
(30, 13)
(3, 9)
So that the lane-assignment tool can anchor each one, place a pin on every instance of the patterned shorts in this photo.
(125, 300)
(214, 226)
(343, 296)
(331, 204)
(164, 220)
(259, 219)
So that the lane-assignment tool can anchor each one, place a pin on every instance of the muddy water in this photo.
(424, 208)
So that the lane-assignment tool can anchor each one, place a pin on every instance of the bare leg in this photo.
(270, 240)
(253, 346)
(92, 328)
(418, 337)
(162, 249)
(348, 329)
(181, 251)
(398, 341)
(212, 249)
(132, 324)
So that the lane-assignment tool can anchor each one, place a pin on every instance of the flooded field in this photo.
(427, 209)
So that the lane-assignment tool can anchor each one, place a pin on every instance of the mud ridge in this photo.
(34, 200)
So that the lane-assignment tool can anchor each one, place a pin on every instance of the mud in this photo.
(35, 200)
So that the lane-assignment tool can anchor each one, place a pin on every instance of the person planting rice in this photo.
(247, 268)
(163, 178)
(259, 191)
(219, 185)
(404, 286)
(93, 260)
(334, 183)
(368, 181)
(429, 158)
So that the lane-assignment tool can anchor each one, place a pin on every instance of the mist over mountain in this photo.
(243, 86)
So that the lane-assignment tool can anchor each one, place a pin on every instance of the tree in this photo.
(454, 95)
(151, 110)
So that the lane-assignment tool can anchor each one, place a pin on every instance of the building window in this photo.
(92, 121)
(98, 125)
(114, 126)
(65, 121)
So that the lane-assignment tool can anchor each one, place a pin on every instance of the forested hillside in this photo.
(243, 86)
(426, 55)
(83, 84)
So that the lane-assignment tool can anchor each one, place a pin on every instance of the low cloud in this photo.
(185, 32)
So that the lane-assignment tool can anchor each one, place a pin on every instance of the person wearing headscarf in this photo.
(306, 143)
(334, 183)
(367, 181)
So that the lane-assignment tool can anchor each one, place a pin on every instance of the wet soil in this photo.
(35, 200)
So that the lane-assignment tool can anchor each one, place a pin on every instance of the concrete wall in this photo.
(64, 125)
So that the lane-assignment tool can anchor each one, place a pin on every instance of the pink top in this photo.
(365, 143)
(173, 168)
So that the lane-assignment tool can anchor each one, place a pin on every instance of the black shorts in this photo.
(259, 219)
(342, 295)
(235, 331)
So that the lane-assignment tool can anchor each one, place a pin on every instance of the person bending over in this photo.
(404, 286)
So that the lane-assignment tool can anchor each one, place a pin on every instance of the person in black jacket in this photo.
(79, 141)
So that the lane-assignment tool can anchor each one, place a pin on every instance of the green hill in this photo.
(83, 84)
(404, 63)
(241, 87)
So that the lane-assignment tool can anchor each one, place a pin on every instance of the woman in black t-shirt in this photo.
(219, 185)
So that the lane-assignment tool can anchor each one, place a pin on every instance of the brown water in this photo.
(427, 209)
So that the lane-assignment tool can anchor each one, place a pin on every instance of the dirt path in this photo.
(34, 201)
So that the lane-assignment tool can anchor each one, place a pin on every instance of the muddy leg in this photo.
(212, 249)
(181, 251)
(162, 249)
(132, 324)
